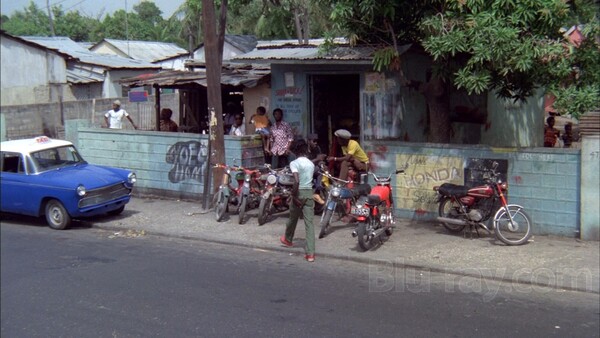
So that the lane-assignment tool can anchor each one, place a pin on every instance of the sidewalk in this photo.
(556, 262)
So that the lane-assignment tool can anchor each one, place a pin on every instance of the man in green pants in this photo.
(302, 196)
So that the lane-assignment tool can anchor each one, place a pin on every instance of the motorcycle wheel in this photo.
(242, 209)
(516, 233)
(264, 209)
(364, 241)
(445, 210)
(220, 203)
(325, 221)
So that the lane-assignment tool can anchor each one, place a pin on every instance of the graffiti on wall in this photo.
(189, 161)
(415, 187)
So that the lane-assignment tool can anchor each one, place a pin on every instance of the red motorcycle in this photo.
(460, 206)
(374, 213)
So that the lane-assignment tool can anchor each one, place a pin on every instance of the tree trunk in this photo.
(438, 102)
(213, 79)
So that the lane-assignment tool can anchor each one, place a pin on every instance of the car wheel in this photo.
(57, 216)
(117, 212)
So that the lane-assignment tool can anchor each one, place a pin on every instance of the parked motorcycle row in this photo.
(369, 208)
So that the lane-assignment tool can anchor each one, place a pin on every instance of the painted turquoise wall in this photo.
(546, 181)
(590, 187)
(166, 164)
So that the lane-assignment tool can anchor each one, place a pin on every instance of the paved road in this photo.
(87, 282)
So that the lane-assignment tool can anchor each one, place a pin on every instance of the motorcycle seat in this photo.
(373, 199)
(361, 189)
(449, 189)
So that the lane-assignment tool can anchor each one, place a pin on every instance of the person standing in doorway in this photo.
(281, 139)
(114, 117)
(302, 200)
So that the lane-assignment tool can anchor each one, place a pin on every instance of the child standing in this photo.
(261, 124)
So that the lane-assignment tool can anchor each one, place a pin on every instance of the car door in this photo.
(13, 184)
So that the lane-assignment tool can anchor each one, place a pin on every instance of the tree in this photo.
(31, 21)
(214, 37)
(510, 47)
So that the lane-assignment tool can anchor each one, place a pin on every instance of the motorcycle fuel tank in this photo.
(481, 191)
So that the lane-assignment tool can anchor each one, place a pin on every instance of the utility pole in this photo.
(213, 50)
(52, 32)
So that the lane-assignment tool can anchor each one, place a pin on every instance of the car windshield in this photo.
(55, 158)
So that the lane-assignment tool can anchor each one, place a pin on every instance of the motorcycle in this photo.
(228, 193)
(374, 213)
(250, 194)
(277, 193)
(460, 206)
(245, 195)
(341, 197)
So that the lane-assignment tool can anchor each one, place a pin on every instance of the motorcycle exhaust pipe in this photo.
(354, 233)
(452, 221)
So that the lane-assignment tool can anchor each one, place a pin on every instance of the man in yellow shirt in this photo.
(353, 154)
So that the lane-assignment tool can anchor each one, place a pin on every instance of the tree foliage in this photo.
(508, 46)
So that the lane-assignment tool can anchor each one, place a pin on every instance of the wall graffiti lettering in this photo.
(189, 160)
(433, 176)
(415, 187)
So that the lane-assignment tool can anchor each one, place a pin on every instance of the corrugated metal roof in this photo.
(303, 53)
(72, 48)
(150, 51)
(247, 77)
(244, 43)
(82, 74)
(311, 42)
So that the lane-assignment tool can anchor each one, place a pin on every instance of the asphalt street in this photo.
(89, 282)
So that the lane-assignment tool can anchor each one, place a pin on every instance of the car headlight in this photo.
(335, 192)
(81, 190)
(131, 178)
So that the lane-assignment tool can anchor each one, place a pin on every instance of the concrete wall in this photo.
(21, 83)
(391, 110)
(32, 120)
(167, 164)
(546, 181)
(590, 187)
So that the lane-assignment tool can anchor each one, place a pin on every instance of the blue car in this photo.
(43, 176)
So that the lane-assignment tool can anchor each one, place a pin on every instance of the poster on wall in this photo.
(291, 101)
(477, 170)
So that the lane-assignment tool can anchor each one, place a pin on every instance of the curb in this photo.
(423, 267)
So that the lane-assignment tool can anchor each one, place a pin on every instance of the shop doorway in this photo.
(335, 104)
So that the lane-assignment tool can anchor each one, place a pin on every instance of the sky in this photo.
(91, 8)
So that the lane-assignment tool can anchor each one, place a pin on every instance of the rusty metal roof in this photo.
(240, 76)
(307, 54)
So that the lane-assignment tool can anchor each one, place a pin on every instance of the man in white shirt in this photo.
(114, 117)
(238, 128)
(302, 201)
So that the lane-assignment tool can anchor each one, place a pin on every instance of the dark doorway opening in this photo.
(335, 105)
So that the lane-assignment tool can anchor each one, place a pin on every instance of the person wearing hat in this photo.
(353, 154)
(114, 117)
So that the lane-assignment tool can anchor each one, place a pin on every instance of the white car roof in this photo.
(32, 145)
